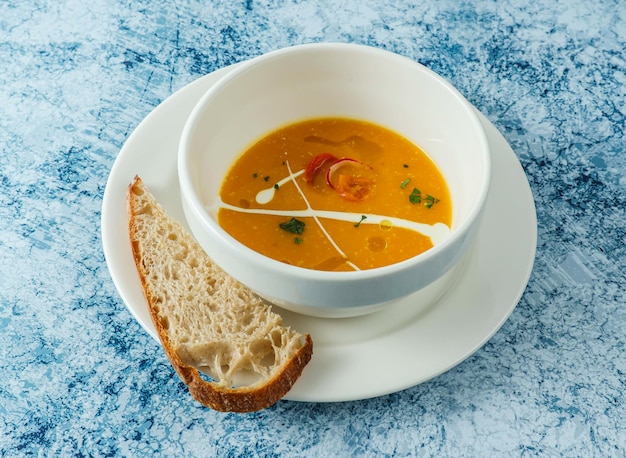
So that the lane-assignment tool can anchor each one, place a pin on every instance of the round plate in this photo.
(354, 358)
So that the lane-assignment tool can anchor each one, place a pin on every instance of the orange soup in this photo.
(335, 194)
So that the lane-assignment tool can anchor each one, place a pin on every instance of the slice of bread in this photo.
(208, 321)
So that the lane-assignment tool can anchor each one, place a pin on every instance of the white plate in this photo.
(363, 357)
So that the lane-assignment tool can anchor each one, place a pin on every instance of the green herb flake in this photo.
(266, 178)
(276, 186)
(415, 197)
(363, 218)
(404, 183)
(293, 226)
(297, 240)
(406, 166)
(429, 201)
(255, 175)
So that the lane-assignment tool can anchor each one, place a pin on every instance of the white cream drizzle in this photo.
(292, 176)
(437, 232)
(265, 196)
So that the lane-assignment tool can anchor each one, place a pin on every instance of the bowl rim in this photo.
(189, 193)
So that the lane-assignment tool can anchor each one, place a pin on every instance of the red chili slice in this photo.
(337, 165)
(315, 165)
(352, 188)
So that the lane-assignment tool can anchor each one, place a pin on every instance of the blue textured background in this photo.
(78, 374)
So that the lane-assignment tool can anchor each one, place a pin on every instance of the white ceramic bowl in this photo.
(338, 80)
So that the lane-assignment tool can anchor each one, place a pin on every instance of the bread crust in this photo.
(211, 394)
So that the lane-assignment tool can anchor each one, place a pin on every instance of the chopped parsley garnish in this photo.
(430, 201)
(297, 240)
(255, 175)
(293, 226)
(406, 166)
(415, 197)
(266, 178)
(363, 218)
(276, 186)
(404, 183)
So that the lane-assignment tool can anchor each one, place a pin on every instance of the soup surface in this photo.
(335, 194)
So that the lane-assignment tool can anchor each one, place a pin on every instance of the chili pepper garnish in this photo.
(316, 164)
(337, 165)
(349, 187)
(353, 188)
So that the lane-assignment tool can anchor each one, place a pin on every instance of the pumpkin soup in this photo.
(335, 194)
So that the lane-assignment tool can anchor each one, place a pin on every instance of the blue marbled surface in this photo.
(79, 376)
